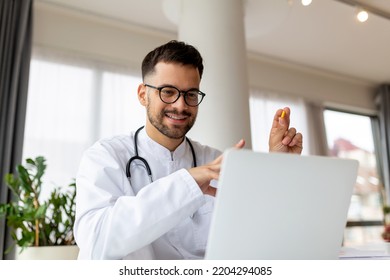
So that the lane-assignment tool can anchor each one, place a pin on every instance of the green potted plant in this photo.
(37, 223)
(386, 232)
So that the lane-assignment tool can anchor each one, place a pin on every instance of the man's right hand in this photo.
(205, 173)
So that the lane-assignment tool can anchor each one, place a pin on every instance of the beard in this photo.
(175, 131)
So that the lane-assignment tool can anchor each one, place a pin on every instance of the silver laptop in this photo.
(280, 206)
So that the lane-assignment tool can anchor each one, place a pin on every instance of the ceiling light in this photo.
(365, 5)
(306, 2)
(362, 15)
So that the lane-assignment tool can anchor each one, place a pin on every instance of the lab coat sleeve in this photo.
(112, 222)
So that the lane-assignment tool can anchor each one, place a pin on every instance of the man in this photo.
(163, 210)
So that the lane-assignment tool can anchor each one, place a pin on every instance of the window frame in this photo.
(374, 120)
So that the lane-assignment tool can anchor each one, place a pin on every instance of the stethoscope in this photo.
(137, 157)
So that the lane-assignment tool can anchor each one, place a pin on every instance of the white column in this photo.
(216, 29)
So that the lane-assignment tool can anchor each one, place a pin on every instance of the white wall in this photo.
(122, 43)
(317, 86)
(94, 37)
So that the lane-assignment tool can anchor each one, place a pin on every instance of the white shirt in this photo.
(166, 219)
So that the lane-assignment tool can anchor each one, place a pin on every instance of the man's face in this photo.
(176, 119)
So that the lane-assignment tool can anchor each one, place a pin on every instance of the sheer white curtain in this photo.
(263, 105)
(121, 111)
(73, 102)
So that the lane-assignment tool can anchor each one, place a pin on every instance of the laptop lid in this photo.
(280, 206)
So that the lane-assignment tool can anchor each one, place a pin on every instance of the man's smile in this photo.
(176, 117)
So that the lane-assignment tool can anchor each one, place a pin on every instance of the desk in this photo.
(378, 251)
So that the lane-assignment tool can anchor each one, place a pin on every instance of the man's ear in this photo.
(142, 94)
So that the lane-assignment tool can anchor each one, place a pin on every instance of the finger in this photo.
(284, 119)
(215, 167)
(297, 140)
(289, 135)
(240, 144)
(212, 174)
(217, 160)
(277, 116)
(211, 191)
(281, 118)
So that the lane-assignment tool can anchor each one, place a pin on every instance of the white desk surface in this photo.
(380, 250)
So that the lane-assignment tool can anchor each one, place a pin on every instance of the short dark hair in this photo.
(175, 52)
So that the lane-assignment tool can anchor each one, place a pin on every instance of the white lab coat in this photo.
(166, 219)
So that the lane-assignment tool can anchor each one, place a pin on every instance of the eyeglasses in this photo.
(170, 94)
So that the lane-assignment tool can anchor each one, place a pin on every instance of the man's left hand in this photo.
(284, 138)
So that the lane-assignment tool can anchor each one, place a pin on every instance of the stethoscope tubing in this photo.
(144, 161)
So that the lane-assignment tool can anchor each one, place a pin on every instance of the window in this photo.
(70, 106)
(350, 136)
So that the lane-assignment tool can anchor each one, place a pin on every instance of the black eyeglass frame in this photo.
(181, 92)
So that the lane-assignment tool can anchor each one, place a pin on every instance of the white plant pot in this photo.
(48, 253)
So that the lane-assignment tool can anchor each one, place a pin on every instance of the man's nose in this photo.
(181, 103)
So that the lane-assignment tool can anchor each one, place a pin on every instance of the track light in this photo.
(306, 2)
(362, 15)
(365, 9)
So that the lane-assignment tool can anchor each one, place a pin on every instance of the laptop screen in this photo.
(280, 206)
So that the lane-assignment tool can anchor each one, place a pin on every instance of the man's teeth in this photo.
(176, 117)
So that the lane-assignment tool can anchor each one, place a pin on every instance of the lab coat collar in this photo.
(157, 149)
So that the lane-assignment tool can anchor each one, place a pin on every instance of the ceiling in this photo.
(324, 35)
